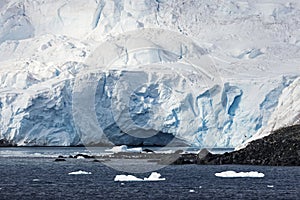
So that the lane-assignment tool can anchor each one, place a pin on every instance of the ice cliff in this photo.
(45, 47)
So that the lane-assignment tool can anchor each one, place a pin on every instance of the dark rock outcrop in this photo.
(186, 158)
(84, 156)
(281, 148)
(59, 160)
(6, 143)
(148, 151)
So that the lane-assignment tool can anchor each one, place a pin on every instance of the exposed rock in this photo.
(186, 158)
(203, 153)
(84, 156)
(148, 151)
(281, 148)
(6, 143)
(59, 160)
(178, 158)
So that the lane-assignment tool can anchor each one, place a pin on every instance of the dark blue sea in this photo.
(30, 173)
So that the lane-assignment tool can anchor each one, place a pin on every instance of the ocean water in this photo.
(38, 177)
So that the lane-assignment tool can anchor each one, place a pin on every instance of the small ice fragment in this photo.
(192, 191)
(80, 157)
(165, 152)
(270, 186)
(124, 148)
(79, 173)
(127, 178)
(200, 186)
(233, 174)
(36, 180)
(117, 149)
(154, 176)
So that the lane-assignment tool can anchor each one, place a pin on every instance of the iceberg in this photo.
(80, 172)
(127, 178)
(154, 176)
(233, 174)
(124, 148)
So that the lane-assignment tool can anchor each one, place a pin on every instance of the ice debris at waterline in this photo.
(233, 174)
(124, 148)
(80, 173)
(154, 176)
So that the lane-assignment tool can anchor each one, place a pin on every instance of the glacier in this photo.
(147, 96)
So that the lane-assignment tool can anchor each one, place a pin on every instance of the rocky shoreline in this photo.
(281, 148)
(6, 143)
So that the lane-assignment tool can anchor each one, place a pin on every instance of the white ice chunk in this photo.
(154, 176)
(165, 151)
(124, 148)
(233, 174)
(80, 173)
(127, 178)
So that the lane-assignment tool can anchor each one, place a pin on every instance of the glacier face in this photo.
(45, 47)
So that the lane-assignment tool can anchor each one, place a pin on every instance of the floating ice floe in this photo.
(124, 148)
(165, 151)
(154, 176)
(233, 174)
(80, 173)
(127, 178)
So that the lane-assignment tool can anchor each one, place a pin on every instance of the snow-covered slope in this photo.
(45, 46)
(287, 112)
